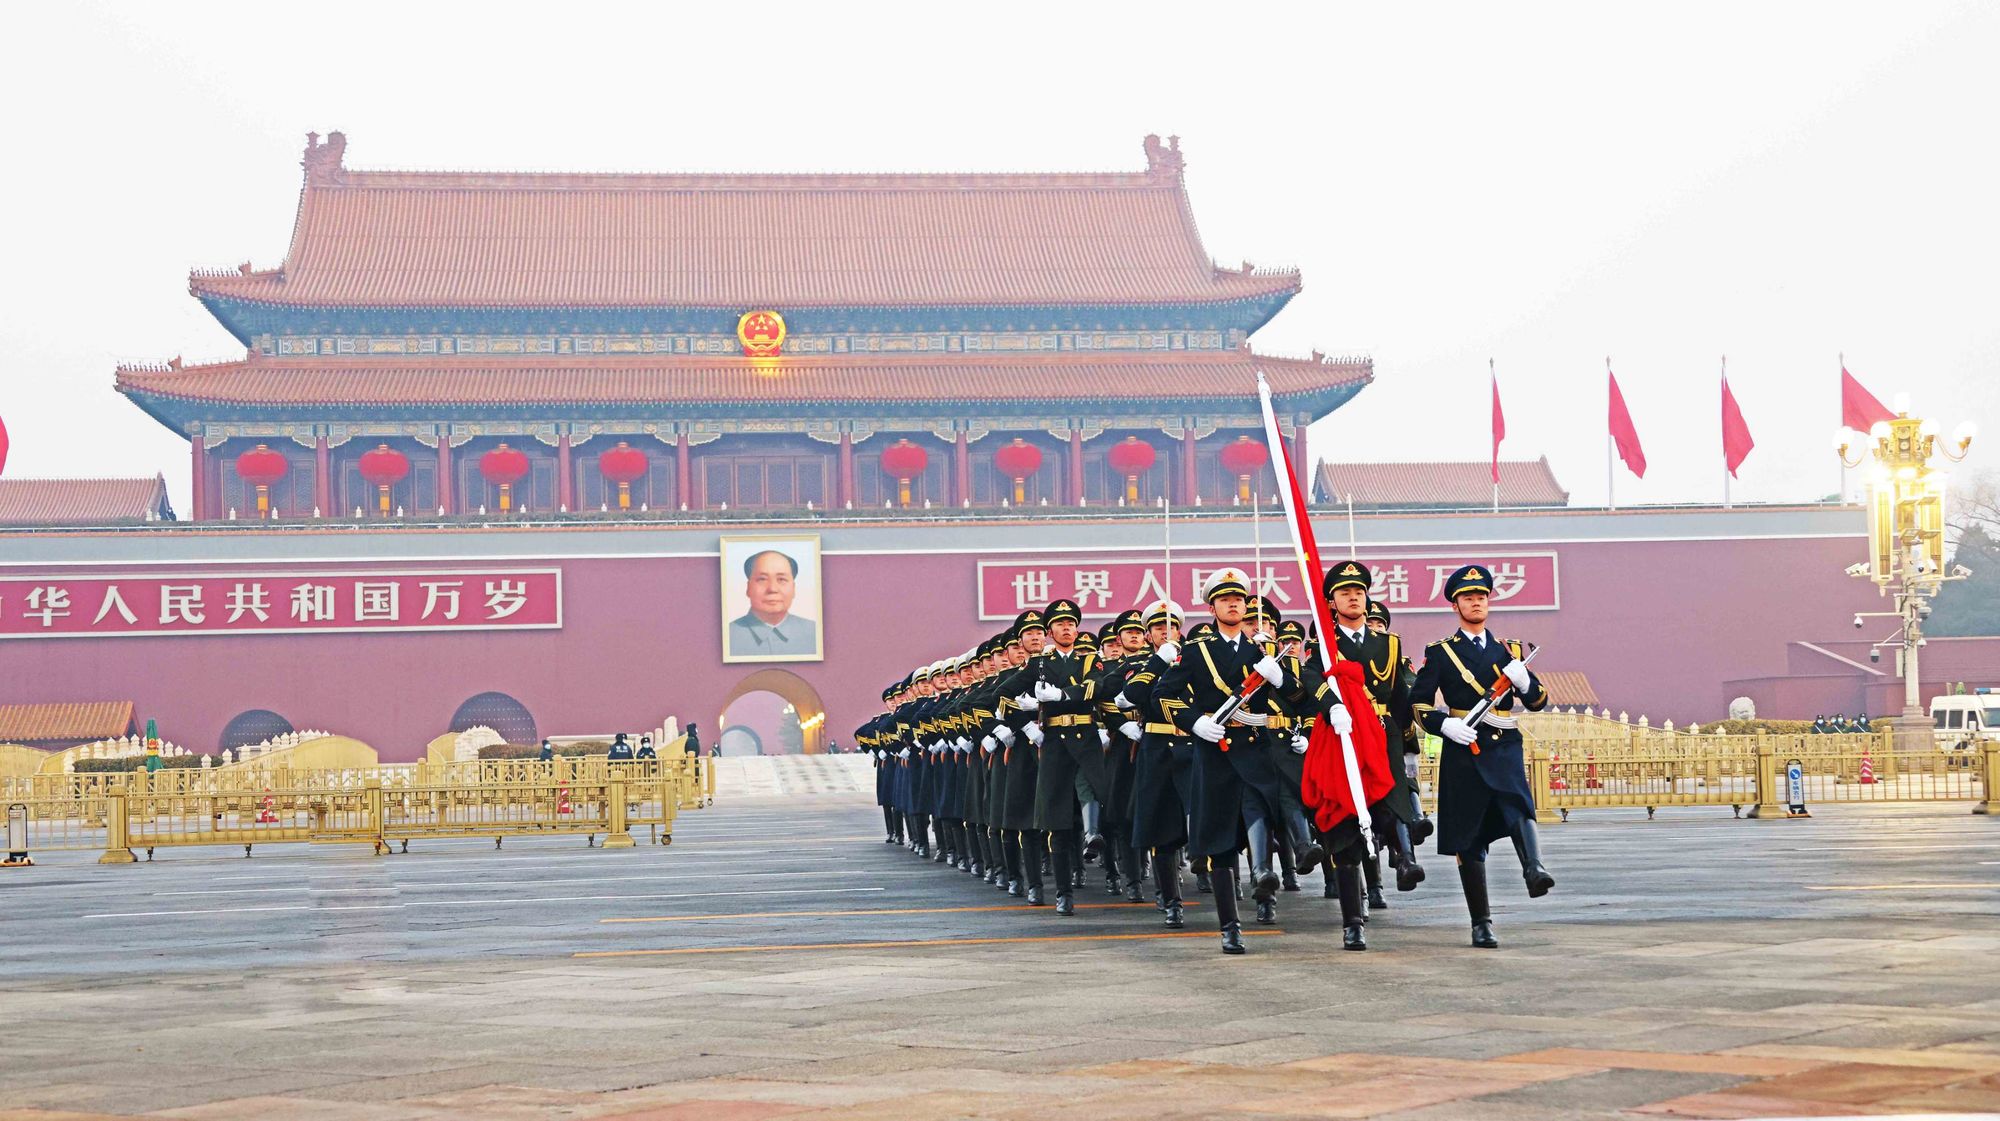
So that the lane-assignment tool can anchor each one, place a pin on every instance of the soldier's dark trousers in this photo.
(1034, 847)
(1167, 875)
(920, 830)
(1068, 868)
(889, 820)
(1222, 872)
(1010, 853)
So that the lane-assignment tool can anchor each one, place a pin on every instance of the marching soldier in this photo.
(1483, 792)
(1019, 735)
(1122, 649)
(1238, 792)
(1162, 768)
(1070, 768)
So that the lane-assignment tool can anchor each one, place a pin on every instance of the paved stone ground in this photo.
(1695, 966)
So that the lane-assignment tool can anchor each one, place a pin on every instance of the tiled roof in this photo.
(1568, 688)
(1440, 485)
(85, 721)
(429, 239)
(980, 379)
(81, 501)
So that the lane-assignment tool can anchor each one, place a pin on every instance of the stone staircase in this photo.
(791, 776)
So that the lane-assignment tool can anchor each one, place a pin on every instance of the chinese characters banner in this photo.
(1103, 588)
(278, 603)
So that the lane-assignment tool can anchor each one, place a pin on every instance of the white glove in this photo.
(1517, 672)
(1004, 734)
(903, 754)
(1298, 745)
(963, 743)
(1340, 720)
(1123, 703)
(1131, 730)
(1268, 668)
(1035, 733)
(987, 745)
(1103, 737)
(1046, 692)
(1458, 731)
(1206, 727)
(1026, 702)
(1169, 652)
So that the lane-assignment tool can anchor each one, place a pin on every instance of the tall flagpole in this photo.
(1167, 542)
(1257, 542)
(1352, 552)
(1725, 449)
(1840, 496)
(1610, 472)
(1493, 381)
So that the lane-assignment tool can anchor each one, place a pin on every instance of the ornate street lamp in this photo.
(1906, 536)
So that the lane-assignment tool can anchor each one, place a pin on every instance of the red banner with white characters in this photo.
(278, 602)
(1105, 586)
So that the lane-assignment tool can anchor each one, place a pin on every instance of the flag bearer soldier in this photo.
(1238, 790)
(1483, 792)
(1019, 734)
(1162, 769)
(1402, 827)
(1007, 872)
(1071, 771)
(1126, 636)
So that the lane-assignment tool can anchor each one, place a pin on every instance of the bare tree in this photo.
(1973, 500)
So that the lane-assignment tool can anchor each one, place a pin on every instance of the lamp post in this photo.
(1906, 537)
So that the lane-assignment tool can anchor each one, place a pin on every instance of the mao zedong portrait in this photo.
(769, 629)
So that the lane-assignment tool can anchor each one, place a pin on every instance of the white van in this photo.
(1964, 720)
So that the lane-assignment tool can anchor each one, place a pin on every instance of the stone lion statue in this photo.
(1743, 708)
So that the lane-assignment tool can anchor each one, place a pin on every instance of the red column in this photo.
(565, 478)
(961, 464)
(198, 500)
(447, 500)
(1076, 467)
(1300, 464)
(1190, 478)
(684, 472)
(322, 476)
(846, 496)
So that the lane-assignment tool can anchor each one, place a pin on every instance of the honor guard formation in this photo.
(1048, 749)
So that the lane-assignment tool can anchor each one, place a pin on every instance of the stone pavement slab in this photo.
(874, 985)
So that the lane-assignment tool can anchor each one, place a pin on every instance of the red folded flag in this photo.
(1499, 427)
(1859, 409)
(1736, 441)
(1623, 432)
(1323, 786)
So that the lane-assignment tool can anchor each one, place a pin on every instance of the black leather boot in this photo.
(1528, 846)
(1065, 905)
(1034, 895)
(1093, 831)
(1267, 912)
(1404, 859)
(1472, 877)
(1353, 911)
(1371, 867)
(1201, 881)
(1306, 849)
(1175, 918)
(1224, 871)
(1264, 881)
(1232, 938)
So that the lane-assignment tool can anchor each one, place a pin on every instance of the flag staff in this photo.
(1493, 379)
(1167, 542)
(1841, 495)
(1610, 474)
(1725, 450)
(1352, 552)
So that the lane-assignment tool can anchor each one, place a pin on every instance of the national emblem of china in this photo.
(762, 333)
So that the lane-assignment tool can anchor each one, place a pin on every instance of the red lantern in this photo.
(623, 465)
(1132, 458)
(503, 467)
(1017, 461)
(262, 467)
(1243, 459)
(902, 462)
(384, 468)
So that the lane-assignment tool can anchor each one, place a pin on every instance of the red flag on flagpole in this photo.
(1859, 409)
(1736, 441)
(1499, 422)
(1623, 432)
(3, 445)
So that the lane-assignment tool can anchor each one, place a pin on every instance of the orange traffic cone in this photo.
(266, 813)
(562, 798)
(1867, 768)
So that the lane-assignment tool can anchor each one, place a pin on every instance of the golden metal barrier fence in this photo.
(379, 806)
(1743, 772)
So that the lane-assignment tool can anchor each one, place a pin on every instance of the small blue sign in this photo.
(1795, 787)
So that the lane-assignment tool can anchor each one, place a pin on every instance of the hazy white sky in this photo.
(1663, 185)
